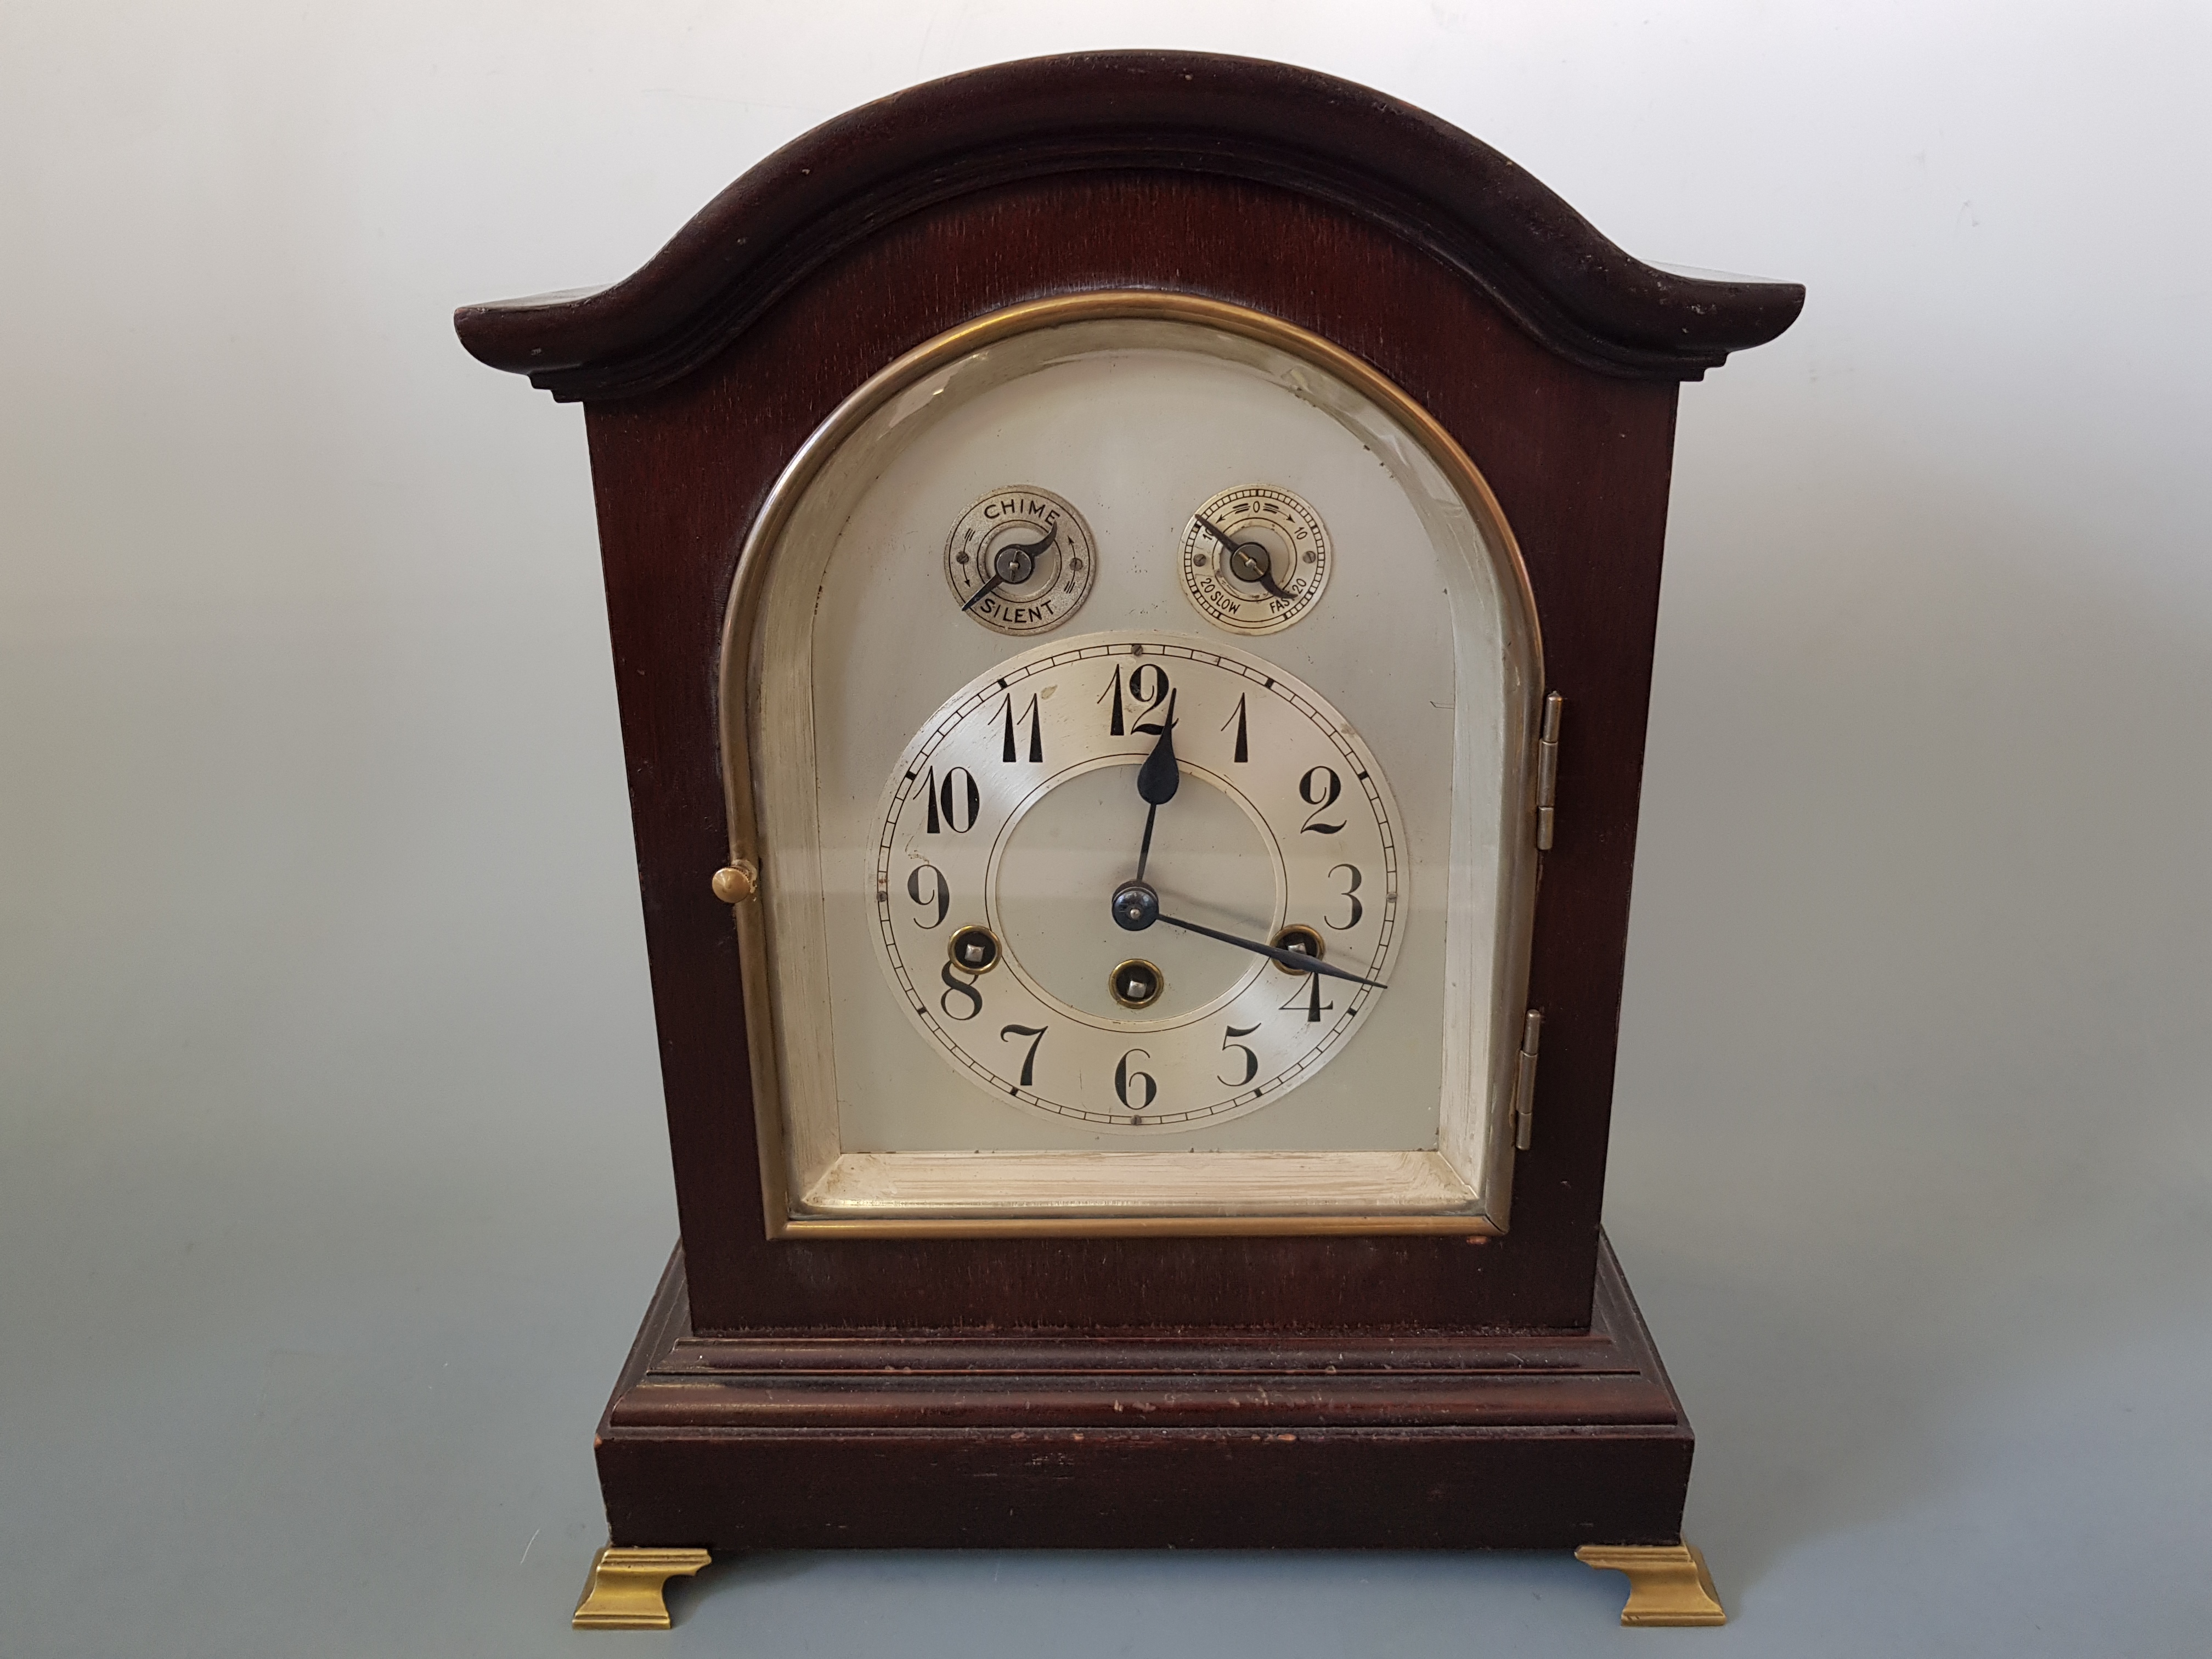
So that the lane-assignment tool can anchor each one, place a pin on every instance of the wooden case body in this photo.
(1135, 1391)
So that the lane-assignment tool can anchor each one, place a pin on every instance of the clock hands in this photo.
(1156, 781)
(1248, 561)
(1136, 906)
(1010, 563)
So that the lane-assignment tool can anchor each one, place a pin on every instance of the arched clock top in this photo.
(1356, 149)
(1098, 550)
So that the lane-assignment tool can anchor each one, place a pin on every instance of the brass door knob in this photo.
(734, 883)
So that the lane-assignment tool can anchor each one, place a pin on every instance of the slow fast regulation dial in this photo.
(1255, 560)
(1137, 881)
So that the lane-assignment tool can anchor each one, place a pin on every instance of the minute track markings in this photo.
(957, 739)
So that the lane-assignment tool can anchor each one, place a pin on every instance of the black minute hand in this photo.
(1297, 960)
(1136, 907)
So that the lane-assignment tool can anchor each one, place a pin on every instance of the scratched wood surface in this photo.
(1451, 1442)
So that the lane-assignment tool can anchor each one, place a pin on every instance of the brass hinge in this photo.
(1547, 769)
(1524, 1085)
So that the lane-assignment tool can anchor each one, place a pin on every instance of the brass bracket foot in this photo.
(624, 1590)
(1667, 1584)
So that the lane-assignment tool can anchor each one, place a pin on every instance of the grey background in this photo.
(332, 1179)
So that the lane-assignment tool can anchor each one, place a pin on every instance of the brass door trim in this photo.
(737, 675)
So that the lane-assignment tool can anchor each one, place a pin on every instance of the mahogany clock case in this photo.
(1553, 359)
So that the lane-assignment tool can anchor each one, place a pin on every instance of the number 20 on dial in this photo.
(1015, 817)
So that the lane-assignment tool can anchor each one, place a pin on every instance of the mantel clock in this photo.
(1132, 580)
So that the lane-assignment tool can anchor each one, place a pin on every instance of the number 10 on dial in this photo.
(1262, 836)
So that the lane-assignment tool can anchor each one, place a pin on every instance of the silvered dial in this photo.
(1023, 817)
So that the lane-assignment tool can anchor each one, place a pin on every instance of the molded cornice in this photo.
(1364, 153)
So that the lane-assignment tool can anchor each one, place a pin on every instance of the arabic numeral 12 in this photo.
(1147, 695)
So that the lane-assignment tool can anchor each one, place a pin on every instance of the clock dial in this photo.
(1018, 814)
(1021, 560)
(1255, 560)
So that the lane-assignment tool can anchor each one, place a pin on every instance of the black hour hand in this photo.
(1158, 777)
(1157, 780)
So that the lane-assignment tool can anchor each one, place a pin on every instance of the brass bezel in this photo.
(736, 673)
(952, 949)
(1113, 982)
(1318, 953)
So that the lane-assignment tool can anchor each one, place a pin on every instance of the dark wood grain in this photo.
(1400, 1392)
(1579, 462)
(1417, 179)
(1479, 1442)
